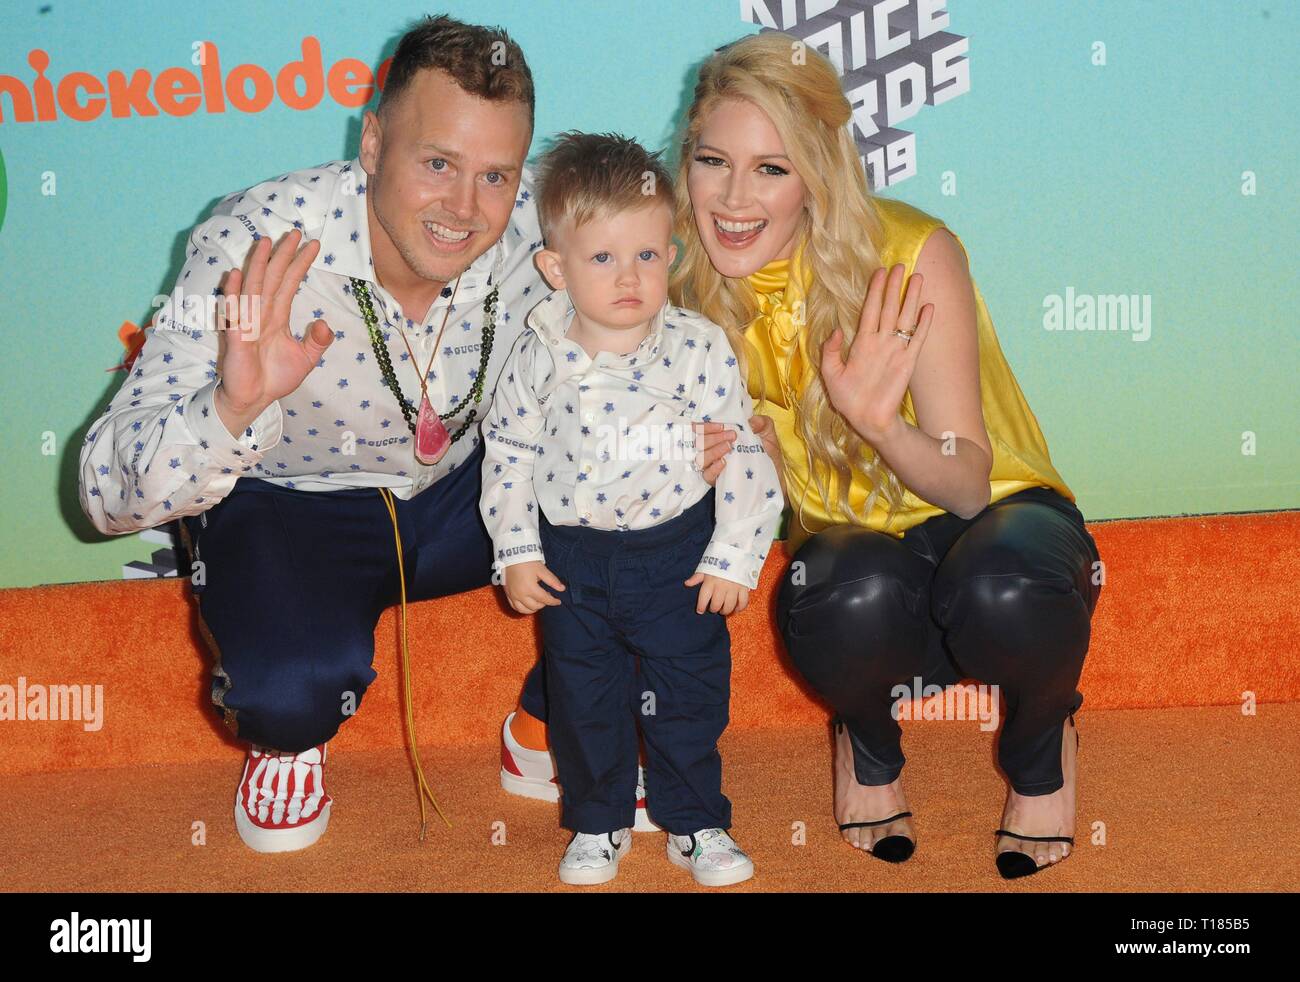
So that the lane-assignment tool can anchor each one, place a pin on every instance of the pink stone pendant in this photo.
(431, 437)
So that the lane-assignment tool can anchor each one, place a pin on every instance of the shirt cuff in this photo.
(237, 453)
(730, 563)
(527, 551)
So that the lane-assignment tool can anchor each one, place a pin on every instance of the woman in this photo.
(932, 537)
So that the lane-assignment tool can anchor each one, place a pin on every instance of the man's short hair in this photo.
(586, 174)
(483, 61)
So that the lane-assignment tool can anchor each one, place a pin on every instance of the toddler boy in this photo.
(601, 521)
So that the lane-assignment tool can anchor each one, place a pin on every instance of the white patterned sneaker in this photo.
(531, 774)
(593, 858)
(281, 804)
(711, 856)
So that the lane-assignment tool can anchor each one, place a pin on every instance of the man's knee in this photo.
(293, 704)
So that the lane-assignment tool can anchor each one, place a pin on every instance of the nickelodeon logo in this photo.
(82, 97)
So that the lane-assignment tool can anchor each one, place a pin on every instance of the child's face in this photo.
(614, 266)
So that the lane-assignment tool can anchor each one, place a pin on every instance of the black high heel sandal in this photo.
(892, 848)
(1013, 865)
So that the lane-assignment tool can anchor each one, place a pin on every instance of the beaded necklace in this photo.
(431, 438)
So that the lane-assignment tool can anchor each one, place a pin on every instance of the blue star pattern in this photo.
(607, 442)
(159, 451)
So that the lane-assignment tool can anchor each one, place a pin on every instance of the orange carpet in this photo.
(1194, 612)
(1187, 799)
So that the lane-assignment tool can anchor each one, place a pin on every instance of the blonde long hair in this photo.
(838, 232)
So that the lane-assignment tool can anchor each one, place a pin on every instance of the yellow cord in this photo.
(406, 677)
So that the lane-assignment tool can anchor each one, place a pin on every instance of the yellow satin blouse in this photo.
(1020, 457)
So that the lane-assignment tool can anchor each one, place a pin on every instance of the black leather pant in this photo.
(1004, 598)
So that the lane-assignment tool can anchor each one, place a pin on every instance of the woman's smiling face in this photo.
(746, 196)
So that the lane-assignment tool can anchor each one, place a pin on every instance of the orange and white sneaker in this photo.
(281, 804)
(643, 821)
(531, 773)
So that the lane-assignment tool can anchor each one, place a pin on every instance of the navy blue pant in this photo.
(1005, 598)
(625, 602)
(294, 582)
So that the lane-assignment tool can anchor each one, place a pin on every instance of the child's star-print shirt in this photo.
(159, 451)
(608, 443)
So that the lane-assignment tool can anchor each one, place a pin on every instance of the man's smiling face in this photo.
(444, 167)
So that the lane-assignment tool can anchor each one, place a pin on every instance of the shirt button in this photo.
(586, 468)
(587, 515)
(588, 417)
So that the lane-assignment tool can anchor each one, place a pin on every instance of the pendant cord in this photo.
(437, 344)
(422, 785)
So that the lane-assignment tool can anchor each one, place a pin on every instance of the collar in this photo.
(345, 241)
(776, 275)
(779, 291)
(550, 319)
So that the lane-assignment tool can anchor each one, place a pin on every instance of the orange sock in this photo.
(528, 729)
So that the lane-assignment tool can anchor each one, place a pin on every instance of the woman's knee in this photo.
(1008, 625)
(1010, 554)
(851, 592)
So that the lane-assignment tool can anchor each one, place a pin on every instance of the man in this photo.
(271, 424)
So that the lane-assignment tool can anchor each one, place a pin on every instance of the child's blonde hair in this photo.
(587, 174)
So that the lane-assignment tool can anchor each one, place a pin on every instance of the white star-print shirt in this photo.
(608, 443)
(159, 451)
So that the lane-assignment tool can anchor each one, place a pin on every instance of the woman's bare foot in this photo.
(1044, 815)
(856, 802)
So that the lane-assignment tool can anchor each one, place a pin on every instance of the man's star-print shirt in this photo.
(159, 451)
(608, 442)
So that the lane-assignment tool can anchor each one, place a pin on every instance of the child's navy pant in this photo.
(625, 646)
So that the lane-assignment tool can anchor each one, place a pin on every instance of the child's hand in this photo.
(524, 587)
(719, 595)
